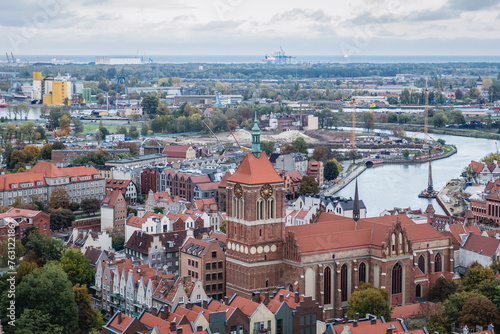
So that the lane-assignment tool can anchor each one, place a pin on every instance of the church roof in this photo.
(254, 170)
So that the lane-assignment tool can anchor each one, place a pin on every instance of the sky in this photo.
(244, 27)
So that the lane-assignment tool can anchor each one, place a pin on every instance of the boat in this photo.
(270, 59)
(3, 104)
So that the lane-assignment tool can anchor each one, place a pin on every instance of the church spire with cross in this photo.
(355, 210)
(256, 138)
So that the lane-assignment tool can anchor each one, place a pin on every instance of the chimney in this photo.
(346, 319)
(256, 296)
(355, 323)
(266, 298)
(179, 330)
(204, 304)
(172, 326)
(119, 318)
(356, 316)
(199, 328)
(373, 321)
(282, 298)
(189, 306)
(297, 297)
(388, 330)
(226, 300)
(163, 314)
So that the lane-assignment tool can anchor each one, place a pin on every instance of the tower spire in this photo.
(355, 208)
(256, 137)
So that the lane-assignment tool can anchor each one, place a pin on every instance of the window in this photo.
(214, 276)
(397, 278)
(362, 272)
(214, 265)
(207, 287)
(181, 299)
(219, 276)
(418, 291)
(198, 297)
(438, 263)
(214, 254)
(343, 283)
(207, 266)
(220, 264)
(421, 263)
(207, 277)
(327, 286)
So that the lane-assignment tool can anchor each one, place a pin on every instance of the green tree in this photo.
(77, 267)
(36, 321)
(479, 311)
(58, 146)
(331, 171)
(300, 144)
(491, 157)
(122, 130)
(319, 153)
(475, 275)
(439, 119)
(50, 291)
(392, 99)
(25, 268)
(43, 247)
(392, 118)
(118, 242)
(98, 157)
(90, 205)
(308, 185)
(440, 291)
(404, 119)
(133, 132)
(159, 209)
(13, 257)
(369, 119)
(267, 147)
(46, 152)
(406, 153)
(150, 104)
(86, 314)
(61, 218)
(368, 299)
(77, 126)
(452, 307)
(56, 114)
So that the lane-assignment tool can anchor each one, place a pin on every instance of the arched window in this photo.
(393, 243)
(421, 263)
(234, 208)
(270, 209)
(343, 283)
(397, 279)
(260, 232)
(362, 272)
(242, 209)
(438, 263)
(260, 208)
(327, 286)
(267, 283)
(400, 242)
(418, 291)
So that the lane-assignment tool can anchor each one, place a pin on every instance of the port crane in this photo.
(213, 134)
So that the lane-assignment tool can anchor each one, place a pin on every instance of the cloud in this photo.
(467, 5)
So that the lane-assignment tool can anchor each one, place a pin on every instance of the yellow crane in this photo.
(426, 115)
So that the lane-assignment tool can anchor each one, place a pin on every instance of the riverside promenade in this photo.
(351, 175)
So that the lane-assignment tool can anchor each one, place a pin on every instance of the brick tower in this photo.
(255, 224)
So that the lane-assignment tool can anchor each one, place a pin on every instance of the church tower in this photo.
(255, 225)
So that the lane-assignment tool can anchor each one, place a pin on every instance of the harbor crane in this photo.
(213, 134)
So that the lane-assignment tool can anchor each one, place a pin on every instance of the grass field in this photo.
(88, 128)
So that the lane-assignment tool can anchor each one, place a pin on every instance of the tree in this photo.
(46, 152)
(456, 117)
(98, 157)
(491, 157)
(300, 144)
(232, 123)
(392, 99)
(122, 130)
(441, 290)
(439, 119)
(150, 103)
(475, 93)
(77, 267)
(289, 149)
(267, 147)
(479, 311)
(41, 132)
(18, 252)
(59, 198)
(58, 146)
(159, 209)
(331, 171)
(403, 119)
(86, 314)
(133, 132)
(308, 185)
(65, 124)
(118, 242)
(475, 275)
(61, 218)
(49, 290)
(36, 321)
(406, 153)
(32, 153)
(18, 158)
(368, 299)
(77, 126)
(25, 268)
(43, 247)
(319, 153)
(90, 205)
(452, 307)
(458, 94)
(56, 114)
(368, 119)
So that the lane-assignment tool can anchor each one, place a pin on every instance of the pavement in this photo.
(345, 179)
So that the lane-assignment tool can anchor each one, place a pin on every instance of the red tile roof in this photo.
(223, 181)
(209, 186)
(125, 321)
(111, 198)
(176, 151)
(245, 305)
(416, 310)
(254, 170)
(477, 166)
(14, 212)
(483, 245)
(365, 327)
(117, 184)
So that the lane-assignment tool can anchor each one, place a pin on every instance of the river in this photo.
(390, 186)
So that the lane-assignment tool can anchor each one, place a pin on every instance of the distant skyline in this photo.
(237, 27)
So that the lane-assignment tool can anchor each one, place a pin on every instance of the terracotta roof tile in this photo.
(412, 311)
(254, 170)
(125, 321)
(483, 245)
(245, 305)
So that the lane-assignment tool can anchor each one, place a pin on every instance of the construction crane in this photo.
(13, 59)
(426, 115)
(7, 56)
(54, 130)
(218, 102)
(236, 140)
(213, 134)
(353, 131)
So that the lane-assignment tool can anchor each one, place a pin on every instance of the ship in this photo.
(3, 104)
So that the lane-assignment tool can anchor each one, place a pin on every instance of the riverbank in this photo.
(420, 161)
(351, 175)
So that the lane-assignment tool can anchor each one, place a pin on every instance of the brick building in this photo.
(326, 260)
(21, 219)
(315, 168)
(126, 187)
(181, 184)
(114, 211)
(205, 260)
(177, 152)
(150, 180)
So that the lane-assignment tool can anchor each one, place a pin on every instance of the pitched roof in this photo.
(125, 321)
(223, 181)
(47, 168)
(254, 170)
(208, 186)
(477, 167)
(247, 306)
(176, 151)
(412, 310)
(193, 245)
(14, 212)
(111, 198)
(117, 184)
(483, 245)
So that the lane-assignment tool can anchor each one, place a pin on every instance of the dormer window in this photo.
(13, 186)
(39, 183)
(73, 179)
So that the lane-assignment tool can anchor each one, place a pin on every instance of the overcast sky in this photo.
(244, 27)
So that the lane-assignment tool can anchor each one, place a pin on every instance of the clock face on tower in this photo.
(266, 191)
(237, 190)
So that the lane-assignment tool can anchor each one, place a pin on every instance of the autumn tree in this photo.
(59, 198)
(479, 311)
(475, 275)
(232, 123)
(368, 299)
(319, 153)
(88, 318)
(65, 124)
(308, 185)
(46, 152)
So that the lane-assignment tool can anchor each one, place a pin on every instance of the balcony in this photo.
(96, 288)
(117, 295)
(118, 306)
(136, 314)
